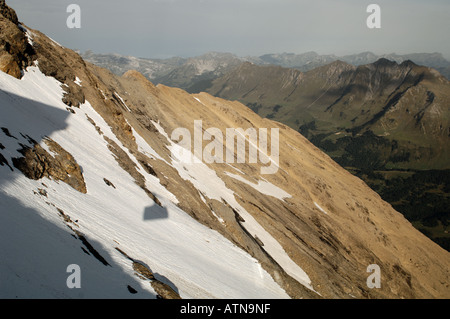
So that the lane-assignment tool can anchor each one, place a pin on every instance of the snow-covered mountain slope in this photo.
(91, 176)
(37, 248)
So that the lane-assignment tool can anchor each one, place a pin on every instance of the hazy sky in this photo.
(165, 28)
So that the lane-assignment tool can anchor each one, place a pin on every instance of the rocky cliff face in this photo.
(310, 230)
(16, 52)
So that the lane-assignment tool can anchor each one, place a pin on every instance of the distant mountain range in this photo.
(196, 73)
(186, 73)
(310, 60)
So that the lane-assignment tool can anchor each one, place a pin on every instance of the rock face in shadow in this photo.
(143, 271)
(163, 290)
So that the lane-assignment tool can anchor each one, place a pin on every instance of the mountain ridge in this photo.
(178, 71)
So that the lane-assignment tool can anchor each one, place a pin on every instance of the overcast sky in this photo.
(165, 28)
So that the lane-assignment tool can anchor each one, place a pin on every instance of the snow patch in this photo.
(123, 102)
(55, 42)
(320, 208)
(198, 100)
(144, 148)
(77, 81)
(28, 34)
(264, 187)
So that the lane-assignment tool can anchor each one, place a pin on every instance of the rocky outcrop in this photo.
(163, 290)
(37, 163)
(8, 13)
(16, 53)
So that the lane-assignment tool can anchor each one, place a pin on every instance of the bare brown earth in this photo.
(334, 249)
